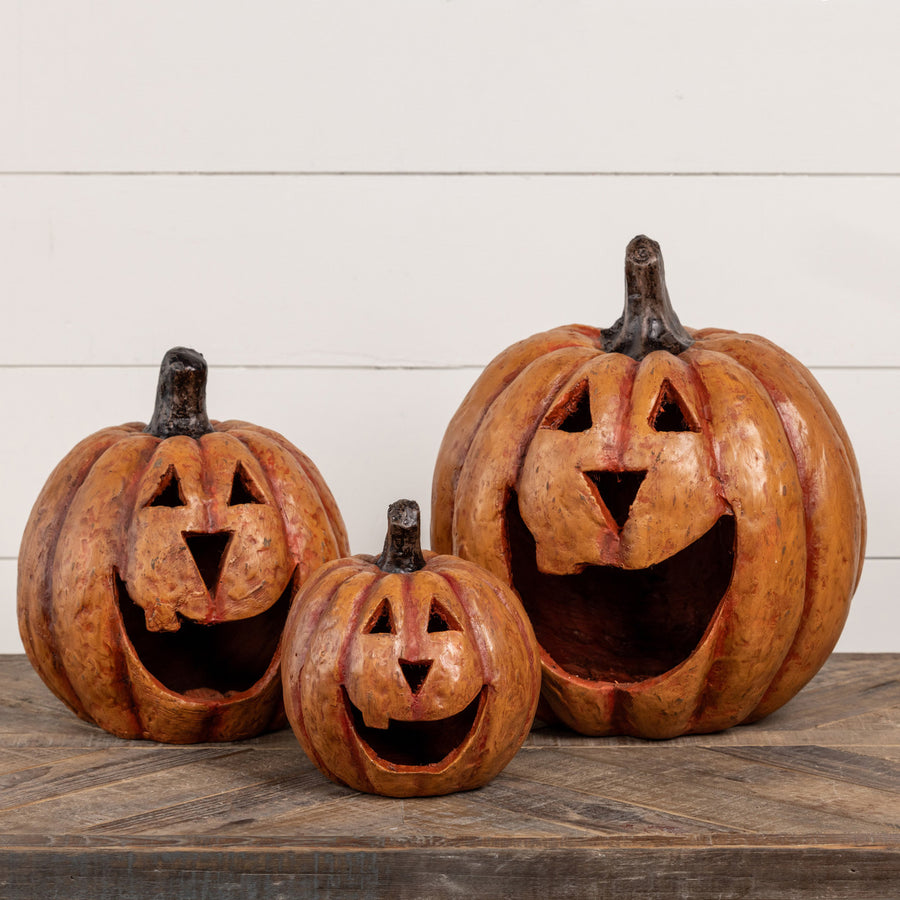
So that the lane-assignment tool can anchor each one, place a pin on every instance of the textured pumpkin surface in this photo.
(155, 576)
(685, 529)
(409, 682)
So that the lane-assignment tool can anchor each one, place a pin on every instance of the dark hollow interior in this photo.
(415, 673)
(416, 743)
(617, 490)
(225, 657)
(612, 624)
(208, 550)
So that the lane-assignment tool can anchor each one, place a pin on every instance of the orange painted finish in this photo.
(155, 576)
(409, 682)
(686, 530)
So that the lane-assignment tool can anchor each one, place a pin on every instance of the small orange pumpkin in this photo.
(410, 674)
(158, 565)
(680, 512)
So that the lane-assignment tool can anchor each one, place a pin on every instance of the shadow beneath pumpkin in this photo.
(610, 624)
(207, 661)
(417, 743)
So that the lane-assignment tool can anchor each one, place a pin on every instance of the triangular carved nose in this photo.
(208, 551)
(617, 490)
(415, 673)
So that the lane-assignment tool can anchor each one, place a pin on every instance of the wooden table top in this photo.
(803, 804)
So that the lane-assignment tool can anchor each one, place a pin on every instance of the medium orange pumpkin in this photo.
(410, 674)
(680, 512)
(158, 565)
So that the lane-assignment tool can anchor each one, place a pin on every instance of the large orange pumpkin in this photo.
(680, 512)
(158, 566)
(410, 674)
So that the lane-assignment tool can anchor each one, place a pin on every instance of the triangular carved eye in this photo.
(381, 621)
(440, 620)
(242, 488)
(169, 491)
(574, 413)
(670, 414)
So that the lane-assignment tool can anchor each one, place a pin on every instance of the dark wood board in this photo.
(805, 804)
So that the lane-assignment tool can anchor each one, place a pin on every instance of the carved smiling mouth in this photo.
(416, 743)
(612, 624)
(206, 661)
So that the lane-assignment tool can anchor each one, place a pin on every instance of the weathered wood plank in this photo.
(797, 806)
(799, 872)
(829, 762)
(100, 771)
(716, 791)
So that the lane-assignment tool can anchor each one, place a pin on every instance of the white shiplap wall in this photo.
(350, 207)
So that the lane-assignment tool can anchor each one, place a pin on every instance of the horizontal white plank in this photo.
(432, 271)
(374, 434)
(872, 627)
(471, 85)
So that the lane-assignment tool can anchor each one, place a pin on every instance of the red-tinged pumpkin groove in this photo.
(680, 512)
(158, 566)
(409, 674)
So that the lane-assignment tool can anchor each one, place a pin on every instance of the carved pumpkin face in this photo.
(158, 567)
(679, 511)
(410, 674)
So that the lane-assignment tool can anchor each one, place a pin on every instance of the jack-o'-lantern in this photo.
(409, 674)
(680, 512)
(157, 569)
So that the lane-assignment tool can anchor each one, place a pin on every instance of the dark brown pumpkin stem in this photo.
(648, 323)
(181, 396)
(402, 545)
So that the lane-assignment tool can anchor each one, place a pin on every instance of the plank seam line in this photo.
(365, 367)
(424, 173)
(649, 807)
(103, 785)
(734, 753)
(4, 558)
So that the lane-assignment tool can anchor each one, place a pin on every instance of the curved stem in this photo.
(648, 322)
(402, 545)
(181, 396)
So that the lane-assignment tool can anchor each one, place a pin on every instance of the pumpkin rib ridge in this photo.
(819, 485)
(828, 408)
(313, 476)
(304, 613)
(493, 381)
(523, 437)
(248, 438)
(711, 358)
(361, 759)
(301, 613)
(480, 750)
(144, 447)
(706, 428)
(34, 577)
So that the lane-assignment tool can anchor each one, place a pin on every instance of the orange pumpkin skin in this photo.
(617, 472)
(156, 572)
(409, 680)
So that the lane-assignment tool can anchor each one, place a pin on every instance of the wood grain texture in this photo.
(801, 805)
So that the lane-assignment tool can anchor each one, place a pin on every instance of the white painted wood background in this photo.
(350, 207)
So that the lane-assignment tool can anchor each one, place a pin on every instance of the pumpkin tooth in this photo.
(611, 624)
(195, 658)
(416, 743)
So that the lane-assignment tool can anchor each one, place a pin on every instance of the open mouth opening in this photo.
(612, 624)
(416, 743)
(207, 660)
